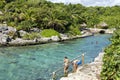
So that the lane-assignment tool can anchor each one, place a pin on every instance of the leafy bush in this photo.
(1, 19)
(31, 36)
(49, 33)
(26, 25)
(111, 66)
(74, 31)
(2, 4)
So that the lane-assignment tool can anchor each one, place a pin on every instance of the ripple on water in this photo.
(39, 61)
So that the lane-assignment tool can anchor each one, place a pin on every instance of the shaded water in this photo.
(39, 61)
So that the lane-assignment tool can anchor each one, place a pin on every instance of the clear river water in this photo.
(39, 61)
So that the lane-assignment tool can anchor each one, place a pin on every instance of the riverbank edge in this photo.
(22, 42)
(90, 71)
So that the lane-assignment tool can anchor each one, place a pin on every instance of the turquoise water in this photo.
(39, 61)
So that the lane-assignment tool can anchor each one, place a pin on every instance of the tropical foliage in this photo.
(49, 33)
(111, 66)
(31, 36)
(26, 14)
(55, 18)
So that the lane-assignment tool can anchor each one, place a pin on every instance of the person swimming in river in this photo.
(66, 65)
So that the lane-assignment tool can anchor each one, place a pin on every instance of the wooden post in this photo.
(82, 59)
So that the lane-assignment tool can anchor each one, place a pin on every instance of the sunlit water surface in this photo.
(39, 61)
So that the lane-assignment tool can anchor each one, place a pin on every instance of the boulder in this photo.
(9, 30)
(99, 57)
(4, 38)
(3, 27)
(64, 37)
(103, 25)
(35, 30)
(110, 30)
(44, 39)
(22, 33)
(55, 38)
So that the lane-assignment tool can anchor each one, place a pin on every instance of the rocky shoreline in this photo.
(89, 71)
(7, 33)
(22, 42)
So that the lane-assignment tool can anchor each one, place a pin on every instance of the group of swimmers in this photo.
(75, 64)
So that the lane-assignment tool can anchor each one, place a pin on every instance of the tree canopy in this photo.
(63, 18)
(57, 16)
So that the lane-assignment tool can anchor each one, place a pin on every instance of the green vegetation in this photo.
(31, 36)
(55, 18)
(111, 66)
(74, 31)
(26, 14)
(49, 33)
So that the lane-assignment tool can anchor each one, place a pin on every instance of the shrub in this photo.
(31, 36)
(111, 59)
(26, 25)
(49, 33)
(2, 4)
(74, 31)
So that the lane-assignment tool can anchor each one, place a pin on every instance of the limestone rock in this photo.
(35, 30)
(89, 71)
(22, 33)
(64, 37)
(3, 38)
(3, 27)
(8, 30)
(55, 38)
(44, 39)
